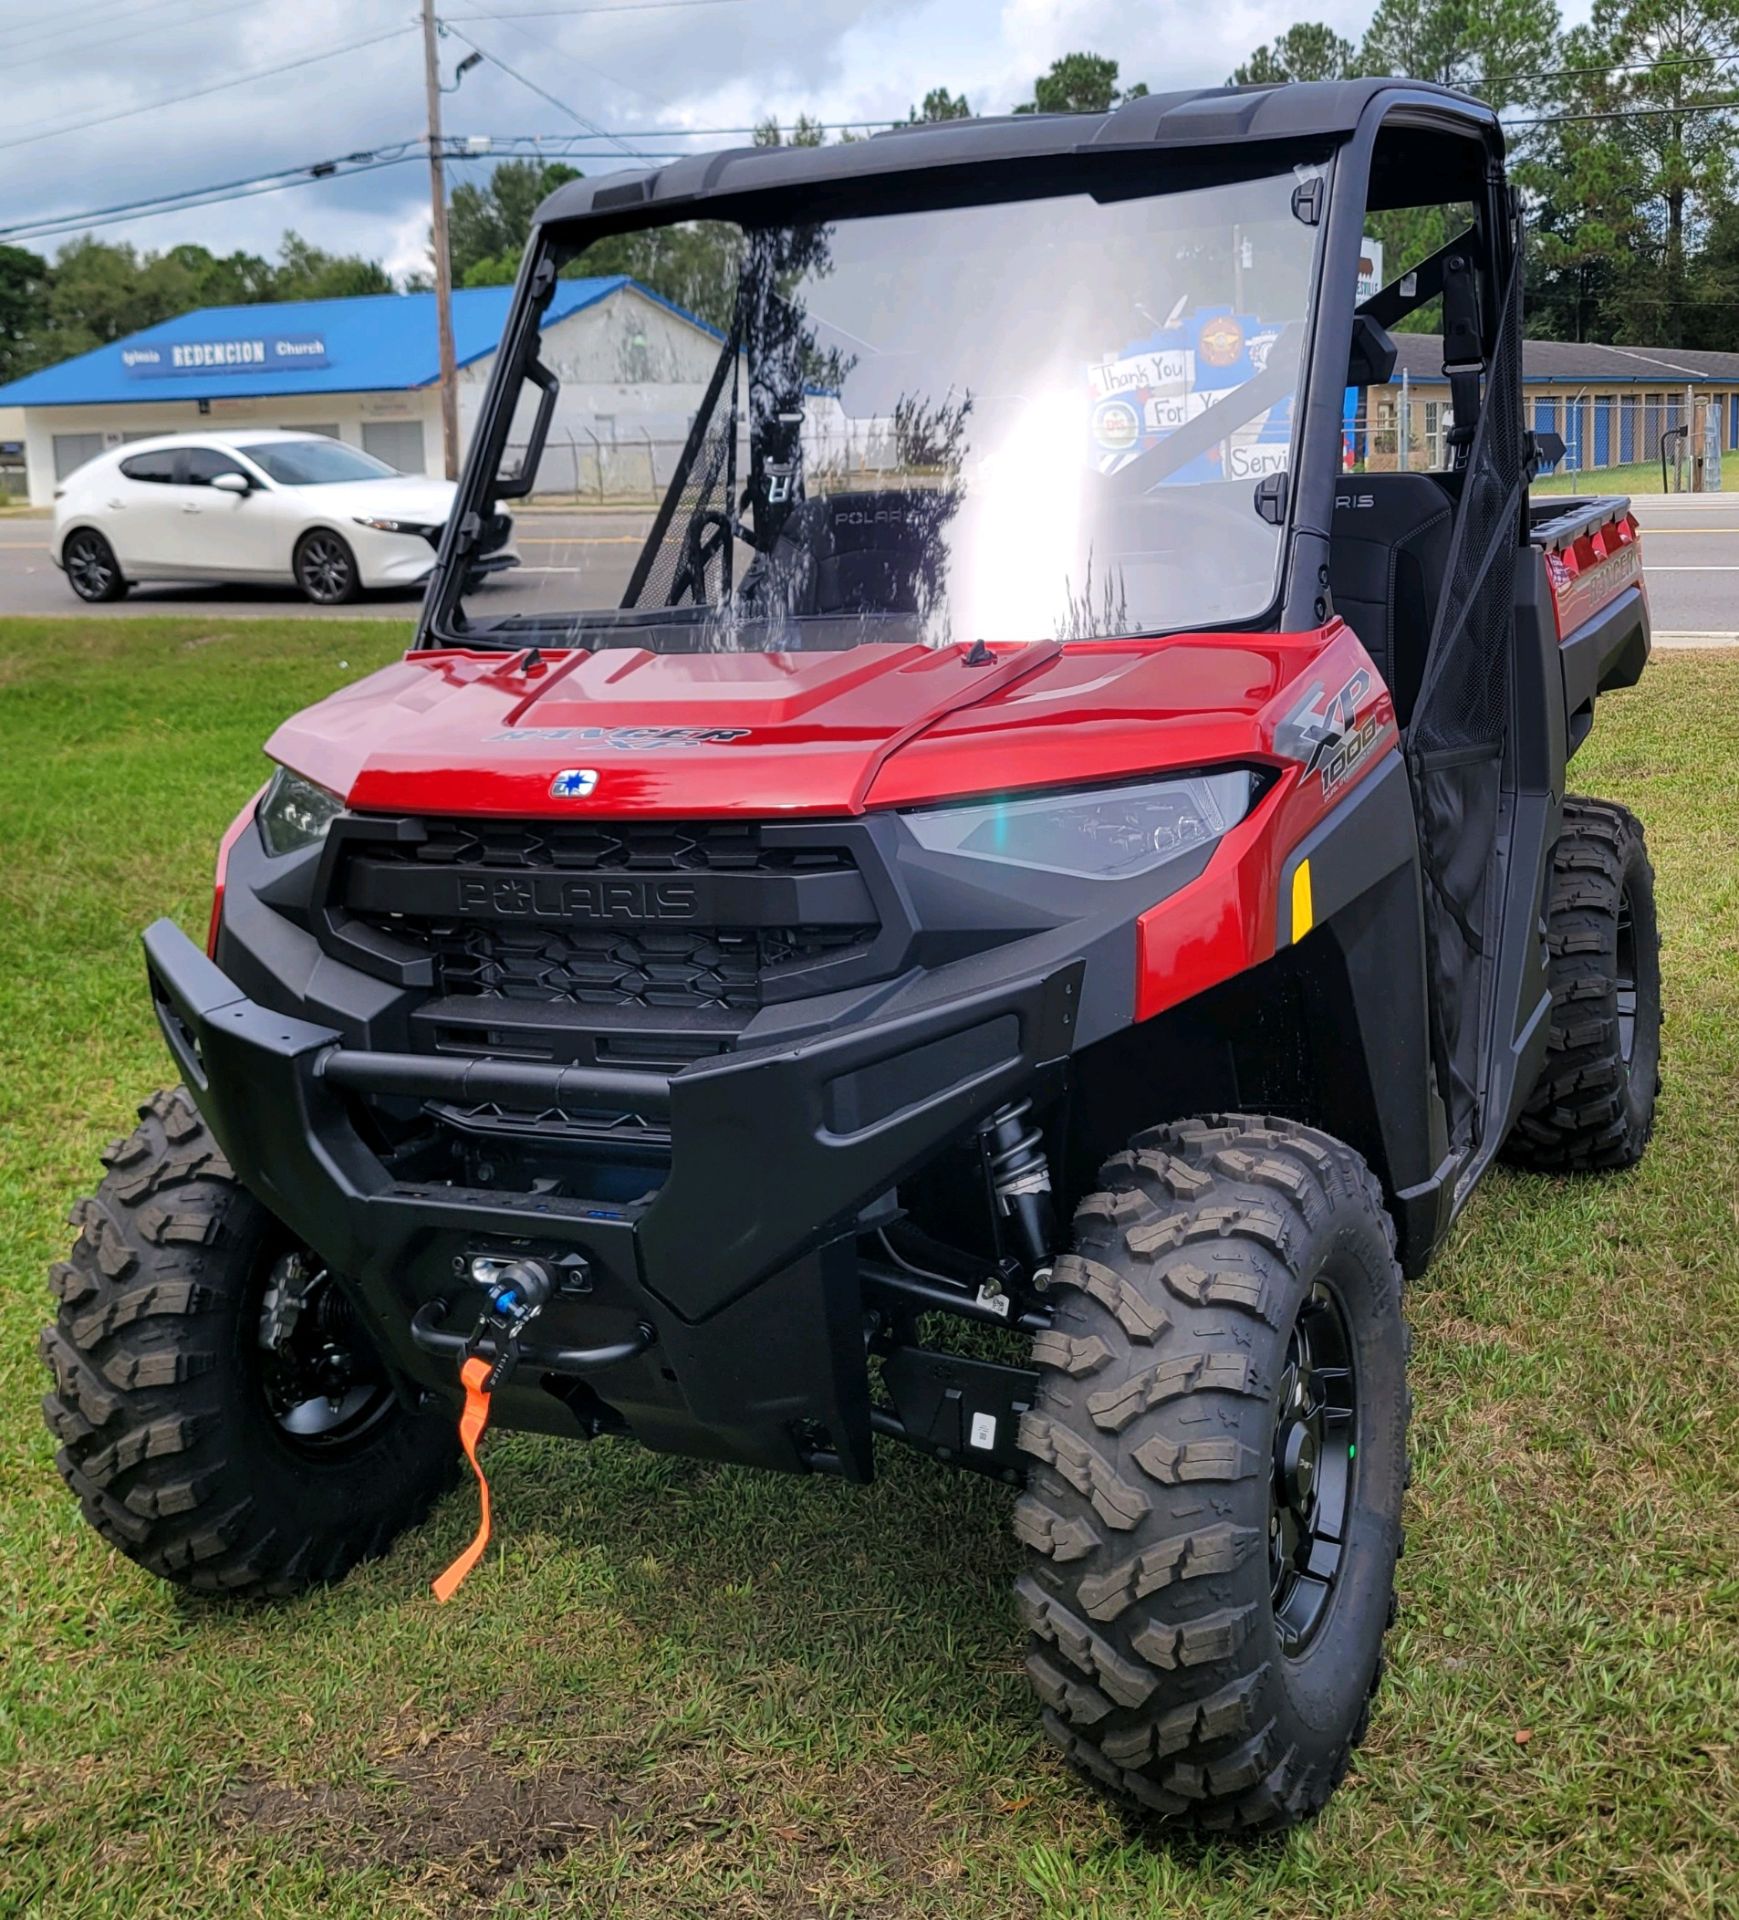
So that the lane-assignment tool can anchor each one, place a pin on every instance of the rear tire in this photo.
(92, 571)
(326, 569)
(1185, 1659)
(1592, 1110)
(177, 1434)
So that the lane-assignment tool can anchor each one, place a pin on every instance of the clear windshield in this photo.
(1046, 418)
(317, 463)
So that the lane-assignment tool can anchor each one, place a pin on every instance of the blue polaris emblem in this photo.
(573, 783)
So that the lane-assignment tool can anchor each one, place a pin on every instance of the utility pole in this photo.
(443, 257)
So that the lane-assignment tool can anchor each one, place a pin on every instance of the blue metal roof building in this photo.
(364, 370)
(381, 343)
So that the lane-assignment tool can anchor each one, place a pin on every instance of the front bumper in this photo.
(407, 559)
(741, 1262)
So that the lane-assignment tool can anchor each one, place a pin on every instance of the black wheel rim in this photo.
(321, 1378)
(1315, 1456)
(325, 567)
(89, 567)
(1624, 973)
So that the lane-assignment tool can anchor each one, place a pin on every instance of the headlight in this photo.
(294, 813)
(422, 529)
(1113, 834)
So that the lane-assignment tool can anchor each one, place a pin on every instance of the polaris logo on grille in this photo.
(566, 897)
(574, 783)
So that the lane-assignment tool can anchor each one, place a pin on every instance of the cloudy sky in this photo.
(114, 100)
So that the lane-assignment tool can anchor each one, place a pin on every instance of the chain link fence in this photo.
(1401, 429)
(632, 470)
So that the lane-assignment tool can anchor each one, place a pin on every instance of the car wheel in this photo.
(92, 571)
(326, 569)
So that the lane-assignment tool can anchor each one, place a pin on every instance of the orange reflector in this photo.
(472, 1421)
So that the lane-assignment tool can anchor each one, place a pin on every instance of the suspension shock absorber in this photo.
(1020, 1178)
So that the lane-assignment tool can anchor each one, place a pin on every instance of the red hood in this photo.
(791, 733)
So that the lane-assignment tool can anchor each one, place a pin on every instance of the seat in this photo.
(853, 553)
(1387, 566)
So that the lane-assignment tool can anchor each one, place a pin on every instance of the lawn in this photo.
(1638, 476)
(677, 1690)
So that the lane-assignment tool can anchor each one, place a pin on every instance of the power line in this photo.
(56, 41)
(81, 23)
(199, 93)
(366, 160)
(1607, 66)
(570, 13)
(580, 66)
(579, 119)
(1628, 113)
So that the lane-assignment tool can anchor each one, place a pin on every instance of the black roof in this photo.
(1207, 118)
(1577, 363)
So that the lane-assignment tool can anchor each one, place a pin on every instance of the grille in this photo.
(700, 966)
(721, 969)
(596, 846)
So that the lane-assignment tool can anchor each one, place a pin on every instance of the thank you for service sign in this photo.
(250, 353)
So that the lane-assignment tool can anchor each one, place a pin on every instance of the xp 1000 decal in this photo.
(1335, 734)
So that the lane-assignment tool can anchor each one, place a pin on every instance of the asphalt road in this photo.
(1690, 544)
(554, 548)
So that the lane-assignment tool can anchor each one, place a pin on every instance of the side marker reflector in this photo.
(1303, 913)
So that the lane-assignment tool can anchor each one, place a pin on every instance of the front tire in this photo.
(1592, 1110)
(92, 571)
(326, 569)
(222, 1419)
(1214, 1514)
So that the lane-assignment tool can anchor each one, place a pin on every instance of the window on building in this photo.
(72, 450)
(156, 469)
(398, 442)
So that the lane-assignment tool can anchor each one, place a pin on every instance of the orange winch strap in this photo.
(475, 1375)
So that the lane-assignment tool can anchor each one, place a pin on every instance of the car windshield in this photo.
(316, 463)
(1047, 418)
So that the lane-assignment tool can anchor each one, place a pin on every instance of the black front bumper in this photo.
(742, 1262)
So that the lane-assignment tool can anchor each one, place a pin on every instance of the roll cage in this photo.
(1378, 144)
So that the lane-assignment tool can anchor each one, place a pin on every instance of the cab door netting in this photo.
(1455, 742)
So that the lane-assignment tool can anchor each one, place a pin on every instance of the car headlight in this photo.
(424, 530)
(1106, 834)
(294, 813)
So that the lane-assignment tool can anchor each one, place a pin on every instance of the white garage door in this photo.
(398, 442)
(72, 450)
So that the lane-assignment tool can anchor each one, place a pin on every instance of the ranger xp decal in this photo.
(627, 739)
(1329, 735)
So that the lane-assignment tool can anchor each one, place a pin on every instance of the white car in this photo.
(264, 507)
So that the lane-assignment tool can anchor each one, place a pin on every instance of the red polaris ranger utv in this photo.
(1018, 839)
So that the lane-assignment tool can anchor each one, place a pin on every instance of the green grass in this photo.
(1639, 476)
(676, 1690)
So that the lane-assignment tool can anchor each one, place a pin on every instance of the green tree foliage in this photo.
(1080, 83)
(100, 290)
(1634, 237)
(939, 104)
(805, 132)
(1503, 50)
(307, 272)
(1306, 51)
(489, 221)
(23, 282)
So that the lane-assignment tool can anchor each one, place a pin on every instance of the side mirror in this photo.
(236, 483)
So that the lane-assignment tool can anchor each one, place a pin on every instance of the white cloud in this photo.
(693, 67)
